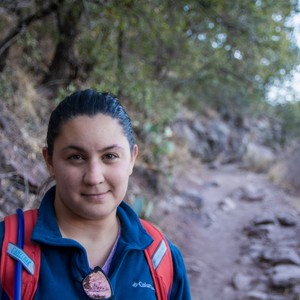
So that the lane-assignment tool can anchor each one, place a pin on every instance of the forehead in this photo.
(88, 129)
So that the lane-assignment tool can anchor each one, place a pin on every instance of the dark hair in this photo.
(89, 103)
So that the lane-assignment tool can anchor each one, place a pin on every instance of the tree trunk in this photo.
(64, 66)
(120, 60)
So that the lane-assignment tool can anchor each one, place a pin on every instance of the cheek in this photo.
(66, 176)
(119, 176)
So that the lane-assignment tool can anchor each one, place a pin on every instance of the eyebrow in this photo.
(78, 148)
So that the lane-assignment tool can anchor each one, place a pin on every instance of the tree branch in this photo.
(20, 28)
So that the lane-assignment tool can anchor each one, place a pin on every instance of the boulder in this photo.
(285, 276)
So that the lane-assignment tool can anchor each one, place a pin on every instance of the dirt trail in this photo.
(212, 237)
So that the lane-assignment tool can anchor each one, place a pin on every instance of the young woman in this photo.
(92, 243)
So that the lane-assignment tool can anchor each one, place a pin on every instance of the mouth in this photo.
(95, 196)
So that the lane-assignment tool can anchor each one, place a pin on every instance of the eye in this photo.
(110, 156)
(75, 157)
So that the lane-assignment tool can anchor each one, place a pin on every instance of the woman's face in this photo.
(91, 164)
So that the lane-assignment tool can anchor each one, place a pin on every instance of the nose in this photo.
(93, 174)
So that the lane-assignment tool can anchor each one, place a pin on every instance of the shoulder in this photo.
(174, 249)
(181, 288)
(177, 257)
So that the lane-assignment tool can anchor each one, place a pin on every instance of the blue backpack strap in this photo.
(159, 258)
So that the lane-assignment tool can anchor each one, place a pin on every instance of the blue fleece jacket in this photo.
(64, 262)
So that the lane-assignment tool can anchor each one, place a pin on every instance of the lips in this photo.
(95, 196)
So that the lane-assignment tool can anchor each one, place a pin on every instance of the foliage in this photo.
(288, 114)
(6, 88)
(158, 55)
(244, 45)
(143, 207)
(62, 93)
(157, 143)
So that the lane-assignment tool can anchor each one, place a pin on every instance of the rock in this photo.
(208, 139)
(285, 276)
(256, 295)
(205, 219)
(242, 282)
(145, 178)
(251, 193)
(260, 232)
(296, 292)
(218, 135)
(183, 129)
(227, 204)
(279, 297)
(264, 220)
(258, 158)
(215, 184)
(192, 200)
(281, 255)
(286, 219)
(199, 127)
(255, 251)
(228, 292)
(194, 266)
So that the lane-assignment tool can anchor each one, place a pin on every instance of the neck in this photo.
(96, 236)
(88, 229)
(77, 227)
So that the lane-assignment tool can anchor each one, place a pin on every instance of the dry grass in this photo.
(286, 172)
(258, 158)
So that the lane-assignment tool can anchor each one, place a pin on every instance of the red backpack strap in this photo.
(160, 261)
(7, 266)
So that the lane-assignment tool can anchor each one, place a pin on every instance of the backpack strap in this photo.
(32, 250)
(160, 261)
(158, 256)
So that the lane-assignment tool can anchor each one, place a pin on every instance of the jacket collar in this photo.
(47, 231)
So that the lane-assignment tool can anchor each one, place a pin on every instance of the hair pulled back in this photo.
(88, 103)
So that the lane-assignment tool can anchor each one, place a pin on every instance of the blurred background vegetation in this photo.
(159, 57)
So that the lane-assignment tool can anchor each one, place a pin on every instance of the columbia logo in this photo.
(143, 285)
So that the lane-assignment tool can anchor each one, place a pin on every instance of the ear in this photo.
(48, 161)
(134, 155)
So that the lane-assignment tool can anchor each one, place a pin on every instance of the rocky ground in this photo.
(238, 232)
